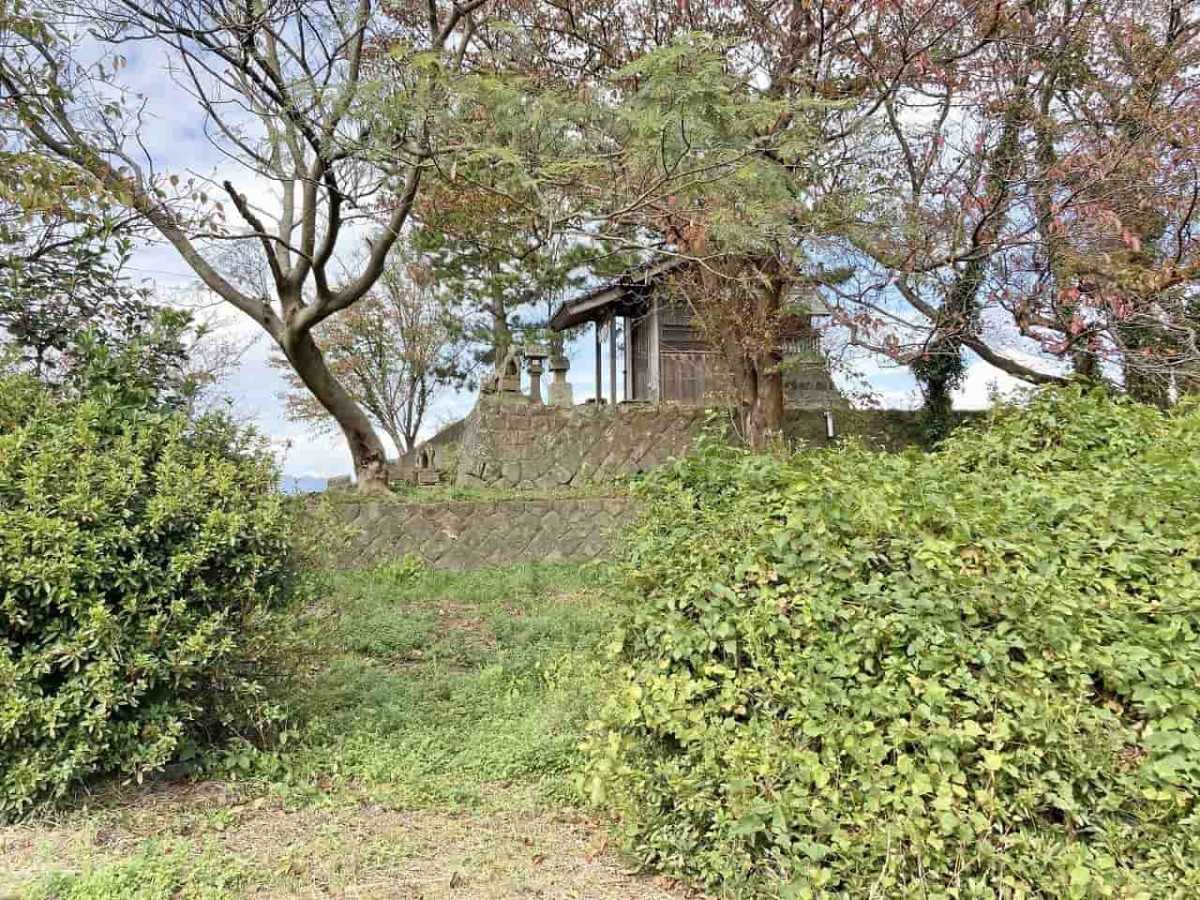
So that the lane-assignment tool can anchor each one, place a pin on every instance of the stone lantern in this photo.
(535, 354)
(560, 389)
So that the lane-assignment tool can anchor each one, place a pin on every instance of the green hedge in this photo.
(974, 673)
(138, 553)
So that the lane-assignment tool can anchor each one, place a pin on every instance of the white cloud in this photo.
(983, 383)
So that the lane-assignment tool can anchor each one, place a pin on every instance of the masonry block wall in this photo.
(524, 445)
(530, 447)
(463, 534)
(880, 429)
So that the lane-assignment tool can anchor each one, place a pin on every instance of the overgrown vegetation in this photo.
(160, 870)
(140, 551)
(435, 715)
(843, 673)
(437, 686)
(972, 673)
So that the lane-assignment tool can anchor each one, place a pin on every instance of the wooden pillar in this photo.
(599, 367)
(630, 393)
(654, 367)
(612, 359)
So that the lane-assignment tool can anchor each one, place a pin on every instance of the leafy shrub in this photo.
(974, 673)
(139, 551)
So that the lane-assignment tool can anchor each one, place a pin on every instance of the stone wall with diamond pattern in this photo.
(466, 534)
(538, 449)
(524, 445)
(514, 444)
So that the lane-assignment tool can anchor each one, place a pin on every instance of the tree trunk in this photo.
(754, 429)
(501, 335)
(770, 392)
(367, 451)
(399, 439)
(760, 399)
(768, 361)
(760, 374)
(1086, 365)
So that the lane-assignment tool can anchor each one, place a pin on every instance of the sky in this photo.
(174, 137)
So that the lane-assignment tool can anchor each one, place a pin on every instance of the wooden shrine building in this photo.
(665, 357)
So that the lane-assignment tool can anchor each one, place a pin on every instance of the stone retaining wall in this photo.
(466, 534)
(524, 445)
(512, 444)
(517, 445)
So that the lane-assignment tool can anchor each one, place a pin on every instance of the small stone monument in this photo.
(535, 354)
(426, 473)
(509, 372)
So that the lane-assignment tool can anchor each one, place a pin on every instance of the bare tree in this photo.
(287, 94)
(394, 352)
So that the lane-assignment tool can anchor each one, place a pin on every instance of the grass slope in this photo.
(436, 687)
(442, 717)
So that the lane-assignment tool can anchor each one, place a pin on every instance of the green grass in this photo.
(432, 687)
(436, 721)
(161, 870)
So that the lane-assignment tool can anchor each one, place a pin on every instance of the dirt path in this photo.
(214, 840)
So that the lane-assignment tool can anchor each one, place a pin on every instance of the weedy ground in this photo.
(437, 722)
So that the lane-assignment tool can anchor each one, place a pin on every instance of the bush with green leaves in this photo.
(973, 673)
(140, 551)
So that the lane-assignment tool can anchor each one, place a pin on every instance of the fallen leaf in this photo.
(592, 854)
